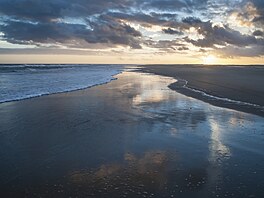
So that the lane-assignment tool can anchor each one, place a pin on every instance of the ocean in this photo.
(26, 81)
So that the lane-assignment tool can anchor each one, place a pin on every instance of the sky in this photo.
(132, 31)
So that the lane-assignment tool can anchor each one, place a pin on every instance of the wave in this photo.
(49, 93)
(36, 67)
(34, 81)
(195, 93)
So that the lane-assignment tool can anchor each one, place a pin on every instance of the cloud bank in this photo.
(197, 27)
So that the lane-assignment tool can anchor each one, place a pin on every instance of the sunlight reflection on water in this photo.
(133, 137)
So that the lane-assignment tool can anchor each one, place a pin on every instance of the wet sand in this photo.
(133, 137)
(239, 83)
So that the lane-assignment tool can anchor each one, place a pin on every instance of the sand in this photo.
(239, 83)
(132, 137)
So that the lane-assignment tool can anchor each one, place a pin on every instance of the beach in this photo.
(131, 137)
(243, 84)
(131, 99)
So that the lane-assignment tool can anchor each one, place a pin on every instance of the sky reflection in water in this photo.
(181, 148)
(134, 137)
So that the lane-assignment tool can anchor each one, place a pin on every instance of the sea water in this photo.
(25, 81)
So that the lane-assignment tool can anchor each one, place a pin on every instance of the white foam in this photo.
(221, 98)
(52, 79)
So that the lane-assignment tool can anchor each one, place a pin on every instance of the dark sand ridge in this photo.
(239, 83)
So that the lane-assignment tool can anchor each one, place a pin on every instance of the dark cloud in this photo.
(259, 19)
(52, 9)
(258, 33)
(46, 50)
(250, 12)
(147, 20)
(168, 16)
(183, 48)
(259, 5)
(35, 10)
(221, 35)
(106, 24)
(143, 19)
(168, 46)
(172, 5)
(41, 22)
(233, 51)
(106, 32)
(172, 31)
(191, 20)
(39, 33)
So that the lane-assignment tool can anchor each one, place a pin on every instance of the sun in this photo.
(210, 59)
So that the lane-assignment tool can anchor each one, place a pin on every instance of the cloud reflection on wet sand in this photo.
(149, 175)
(133, 137)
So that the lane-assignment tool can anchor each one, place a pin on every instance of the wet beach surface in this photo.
(132, 137)
(243, 84)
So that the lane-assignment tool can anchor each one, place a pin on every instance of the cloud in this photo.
(75, 35)
(221, 35)
(183, 48)
(144, 19)
(172, 31)
(191, 20)
(249, 13)
(47, 10)
(168, 46)
(259, 5)
(172, 5)
(233, 51)
(258, 33)
(168, 26)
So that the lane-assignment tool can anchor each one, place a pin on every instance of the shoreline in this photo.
(187, 85)
(133, 131)
(60, 92)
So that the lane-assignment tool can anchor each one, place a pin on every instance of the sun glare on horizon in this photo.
(210, 59)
